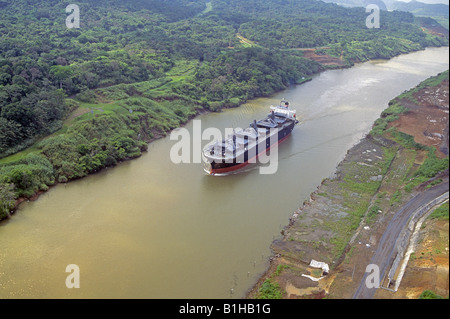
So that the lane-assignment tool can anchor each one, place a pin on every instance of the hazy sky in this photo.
(429, 1)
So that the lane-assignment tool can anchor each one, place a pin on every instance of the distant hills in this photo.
(416, 7)
(419, 8)
(358, 3)
(437, 11)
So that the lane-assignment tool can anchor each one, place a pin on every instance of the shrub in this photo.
(433, 165)
(7, 199)
(269, 290)
(428, 294)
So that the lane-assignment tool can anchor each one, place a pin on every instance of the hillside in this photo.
(437, 11)
(358, 3)
(417, 8)
(73, 101)
(421, 9)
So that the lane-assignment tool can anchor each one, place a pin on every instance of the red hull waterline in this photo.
(239, 166)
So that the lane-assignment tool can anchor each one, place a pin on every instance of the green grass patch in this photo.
(345, 228)
(394, 109)
(316, 273)
(367, 187)
(414, 183)
(280, 268)
(99, 109)
(435, 182)
(440, 213)
(430, 168)
(182, 67)
(20, 155)
(388, 157)
(389, 115)
(396, 198)
(405, 140)
(433, 165)
(373, 212)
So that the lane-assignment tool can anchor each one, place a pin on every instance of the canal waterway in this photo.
(151, 229)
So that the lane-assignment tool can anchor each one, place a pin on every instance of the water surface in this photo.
(151, 229)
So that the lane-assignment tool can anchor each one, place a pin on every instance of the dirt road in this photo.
(386, 250)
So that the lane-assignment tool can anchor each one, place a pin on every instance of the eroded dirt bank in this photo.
(343, 221)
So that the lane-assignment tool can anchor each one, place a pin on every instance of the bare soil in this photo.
(428, 119)
(428, 267)
(324, 59)
(315, 225)
(437, 30)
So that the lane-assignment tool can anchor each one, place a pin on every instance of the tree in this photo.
(7, 199)
(61, 73)
(19, 113)
(10, 133)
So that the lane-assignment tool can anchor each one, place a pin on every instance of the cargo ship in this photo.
(245, 146)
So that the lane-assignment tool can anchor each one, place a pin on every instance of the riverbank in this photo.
(112, 131)
(116, 124)
(345, 217)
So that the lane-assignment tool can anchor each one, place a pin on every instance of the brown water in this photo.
(152, 229)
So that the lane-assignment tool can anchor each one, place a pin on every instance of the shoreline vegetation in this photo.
(86, 111)
(405, 153)
(75, 101)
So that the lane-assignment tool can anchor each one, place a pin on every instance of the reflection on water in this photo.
(152, 229)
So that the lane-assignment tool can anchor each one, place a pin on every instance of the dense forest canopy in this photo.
(359, 3)
(154, 64)
(437, 11)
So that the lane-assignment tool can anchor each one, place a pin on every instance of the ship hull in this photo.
(219, 168)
